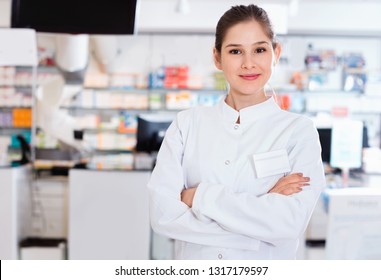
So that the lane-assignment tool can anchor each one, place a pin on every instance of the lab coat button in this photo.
(236, 126)
(219, 256)
(227, 162)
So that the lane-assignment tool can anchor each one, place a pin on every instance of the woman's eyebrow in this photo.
(256, 43)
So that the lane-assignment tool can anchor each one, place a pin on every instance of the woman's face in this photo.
(247, 58)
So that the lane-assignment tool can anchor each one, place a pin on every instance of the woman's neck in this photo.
(239, 102)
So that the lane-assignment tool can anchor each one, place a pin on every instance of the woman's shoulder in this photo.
(194, 113)
(189, 120)
(297, 118)
(300, 125)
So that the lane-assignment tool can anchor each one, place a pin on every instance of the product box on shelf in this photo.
(22, 117)
(354, 74)
(180, 100)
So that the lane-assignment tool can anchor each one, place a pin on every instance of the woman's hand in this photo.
(187, 196)
(290, 184)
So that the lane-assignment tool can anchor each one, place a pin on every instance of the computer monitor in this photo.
(325, 135)
(151, 131)
(347, 144)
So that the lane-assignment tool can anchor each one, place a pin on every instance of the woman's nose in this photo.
(248, 62)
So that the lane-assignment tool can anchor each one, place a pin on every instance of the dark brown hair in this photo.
(241, 13)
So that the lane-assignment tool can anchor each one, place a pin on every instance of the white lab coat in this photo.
(233, 216)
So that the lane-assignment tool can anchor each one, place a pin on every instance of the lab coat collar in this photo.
(251, 113)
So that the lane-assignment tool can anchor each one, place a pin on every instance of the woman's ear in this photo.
(217, 59)
(277, 52)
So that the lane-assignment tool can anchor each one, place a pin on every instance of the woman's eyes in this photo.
(260, 50)
(257, 50)
(235, 52)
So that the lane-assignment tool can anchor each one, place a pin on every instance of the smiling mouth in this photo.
(250, 76)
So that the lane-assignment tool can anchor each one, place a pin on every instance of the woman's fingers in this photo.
(290, 184)
(294, 178)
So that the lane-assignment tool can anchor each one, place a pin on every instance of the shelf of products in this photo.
(108, 117)
(108, 103)
(15, 111)
(355, 103)
(16, 107)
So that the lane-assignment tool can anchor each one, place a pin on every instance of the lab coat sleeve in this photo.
(272, 217)
(168, 214)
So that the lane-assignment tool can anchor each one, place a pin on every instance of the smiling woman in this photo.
(247, 57)
(241, 179)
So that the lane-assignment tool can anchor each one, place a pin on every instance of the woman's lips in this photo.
(249, 76)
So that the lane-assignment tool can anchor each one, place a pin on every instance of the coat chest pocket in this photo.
(271, 163)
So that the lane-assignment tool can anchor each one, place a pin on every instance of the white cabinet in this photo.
(15, 209)
(108, 215)
(354, 224)
(50, 207)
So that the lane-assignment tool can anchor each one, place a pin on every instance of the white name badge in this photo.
(271, 163)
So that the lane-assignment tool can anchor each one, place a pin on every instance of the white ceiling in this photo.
(361, 17)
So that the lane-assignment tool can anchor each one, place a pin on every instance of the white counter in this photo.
(108, 215)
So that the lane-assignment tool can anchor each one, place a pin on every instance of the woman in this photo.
(238, 180)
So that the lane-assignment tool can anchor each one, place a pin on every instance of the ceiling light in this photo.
(182, 6)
